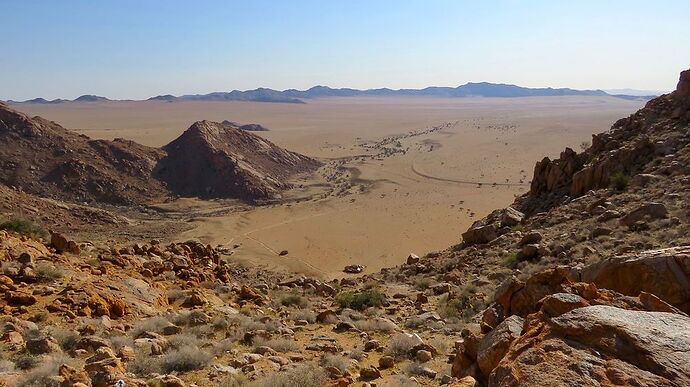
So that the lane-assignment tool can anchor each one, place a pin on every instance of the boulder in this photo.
(664, 273)
(369, 373)
(530, 238)
(480, 234)
(599, 345)
(386, 362)
(645, 211)
(495, 344)
(560, 303)
(104, 368)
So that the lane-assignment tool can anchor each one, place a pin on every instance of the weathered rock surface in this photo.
(599, 345)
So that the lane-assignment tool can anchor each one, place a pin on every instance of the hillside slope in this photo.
(45, 159)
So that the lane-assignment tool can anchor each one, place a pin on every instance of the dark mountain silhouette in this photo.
(481, 89)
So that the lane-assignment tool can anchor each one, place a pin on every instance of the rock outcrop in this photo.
(214, 160)
(626, 149)
(616, 322)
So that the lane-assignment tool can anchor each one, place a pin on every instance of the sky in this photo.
(137, 49)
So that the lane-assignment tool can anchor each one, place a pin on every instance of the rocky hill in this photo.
(42, 158)
(247, 127)
(215, 160)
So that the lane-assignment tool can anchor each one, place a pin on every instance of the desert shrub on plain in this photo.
(153, 324)
(303, 314)
(414, 369)
(361, 300)
(374, 325)
(66, 338)
(358, 354)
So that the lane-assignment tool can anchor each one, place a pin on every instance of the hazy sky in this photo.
(137, 49)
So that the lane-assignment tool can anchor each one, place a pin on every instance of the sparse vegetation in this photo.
(47, 272)
(24, 227)
(362, 300)
(620, 181)
(185, 359)
(422, 283)
(294, 299)
(279, 344)
(337, 361)
(400, 345)
(510, 260)
(301, 376)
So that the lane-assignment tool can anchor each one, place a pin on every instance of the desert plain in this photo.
(400, 175)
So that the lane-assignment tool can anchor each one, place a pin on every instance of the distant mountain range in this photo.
(482, 89)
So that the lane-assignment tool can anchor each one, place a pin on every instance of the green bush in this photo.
(510, 260)
(24, 227)
(360, 301)
(620, 181)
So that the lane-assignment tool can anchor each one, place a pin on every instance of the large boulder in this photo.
(599, 345)
(645, 211)
(664, 273)
(495, 224)
(495, 344)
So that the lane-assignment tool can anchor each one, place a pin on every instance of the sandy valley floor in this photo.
(402, 175)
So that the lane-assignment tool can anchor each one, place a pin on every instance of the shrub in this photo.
(357, 354)
(185, 359)
(153, 324)
(510, 260)
(294, 299)
(464, 306)
(422, 283)
(144, 364)
(47, 272)
(237, 380)
(337, 361)
(279, 345)
(24, 227)
(306, 375)
(400, 345)
(374, 325)
(67, 338)
(620, 181)
(415, 369)
(43, 374)
(360, 301)
(303, 314)
(6, 366)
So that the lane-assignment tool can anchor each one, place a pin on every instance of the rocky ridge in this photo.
(42, 158)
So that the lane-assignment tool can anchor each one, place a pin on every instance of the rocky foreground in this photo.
(585, 281)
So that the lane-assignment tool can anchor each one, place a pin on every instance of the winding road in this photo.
(417, 172)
